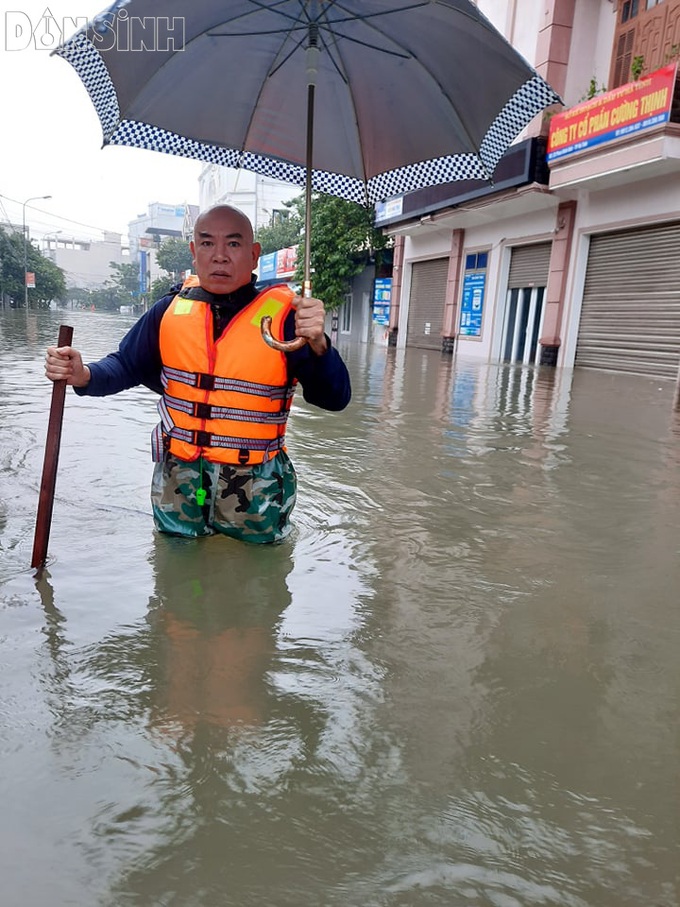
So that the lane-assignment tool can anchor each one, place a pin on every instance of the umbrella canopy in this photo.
(405, 93)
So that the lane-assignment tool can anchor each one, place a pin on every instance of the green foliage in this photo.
(161, 287)
(49, 279)
(121, 289)
(593, 90)
(637, 67)
(125, 281)
(282, 233)
(108, 298)
(672, 54)
(174, 256)
(343, 242)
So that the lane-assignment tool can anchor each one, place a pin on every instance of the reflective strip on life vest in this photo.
(212, 382)
(210, 411)
(205, 439)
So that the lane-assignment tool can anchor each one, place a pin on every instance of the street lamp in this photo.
(31, 199)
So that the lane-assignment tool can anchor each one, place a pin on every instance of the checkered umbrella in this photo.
(364, 99)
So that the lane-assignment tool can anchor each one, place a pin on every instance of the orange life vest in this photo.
(226, 399)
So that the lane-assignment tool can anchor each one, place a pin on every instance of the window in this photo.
(346, 315)
(629, 10)
(645, 31)
(624, 58)
(476, 261)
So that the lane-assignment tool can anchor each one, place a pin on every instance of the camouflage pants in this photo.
(249, 503)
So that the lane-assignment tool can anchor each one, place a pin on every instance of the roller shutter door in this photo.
(630, 318)
(426, 303)
(530, 266)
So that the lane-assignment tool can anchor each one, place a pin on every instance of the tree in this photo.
(343, 242)
(283, 232)
(161, 287)
(174, 256)
(125, 281)
(49, 279)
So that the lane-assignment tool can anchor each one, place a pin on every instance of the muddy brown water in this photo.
(456, 684)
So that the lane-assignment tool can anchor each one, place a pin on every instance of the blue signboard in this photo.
(142, 272)
(268, 266)
(382, 295)
(472, 304)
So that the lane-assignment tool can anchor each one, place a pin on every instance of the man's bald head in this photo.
(223, 249)
(221, 213)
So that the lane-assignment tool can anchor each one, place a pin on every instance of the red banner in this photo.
(286, 262)
(625, 110)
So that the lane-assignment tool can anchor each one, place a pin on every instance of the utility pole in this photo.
(31, 199)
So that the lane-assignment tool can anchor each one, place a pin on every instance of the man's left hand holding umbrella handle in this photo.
(310, 318)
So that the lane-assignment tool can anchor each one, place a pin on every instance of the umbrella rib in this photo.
(408, 55)
(267, 7)
(276, 65)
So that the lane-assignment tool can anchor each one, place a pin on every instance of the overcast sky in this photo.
(51, 142)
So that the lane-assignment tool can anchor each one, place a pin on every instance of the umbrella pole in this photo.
(312, 69)
(307, 284)
(49, 473)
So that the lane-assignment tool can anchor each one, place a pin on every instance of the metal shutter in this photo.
(530, 266)
(426, 303)
(630, 318)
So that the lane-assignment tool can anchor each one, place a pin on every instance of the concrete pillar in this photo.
(550, 340)
(395, 301)
(452, 291)
(552, 52)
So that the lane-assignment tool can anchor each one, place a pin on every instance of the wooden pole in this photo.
(49, 473)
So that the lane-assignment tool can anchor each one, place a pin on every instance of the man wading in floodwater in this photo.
(221, 461)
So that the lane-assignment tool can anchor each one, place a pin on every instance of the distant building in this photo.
(86, 263)
(259, 197)
(147, 232)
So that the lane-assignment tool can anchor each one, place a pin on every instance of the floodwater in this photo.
(456, 684)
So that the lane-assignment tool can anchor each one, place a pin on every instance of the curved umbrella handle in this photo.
(284, 346)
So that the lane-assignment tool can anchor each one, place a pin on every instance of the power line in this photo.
(59, 217)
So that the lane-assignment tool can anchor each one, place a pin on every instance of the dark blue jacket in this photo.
(324, 379)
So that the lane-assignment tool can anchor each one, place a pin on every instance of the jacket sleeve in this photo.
(324, 379)
(136, 361)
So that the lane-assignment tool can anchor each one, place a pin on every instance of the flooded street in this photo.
(457, 683)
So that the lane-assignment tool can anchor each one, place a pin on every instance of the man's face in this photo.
(223, 250)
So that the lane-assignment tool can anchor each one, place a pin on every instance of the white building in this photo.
(147, 231)
(573, 260)
(86, 263)
(259, 197)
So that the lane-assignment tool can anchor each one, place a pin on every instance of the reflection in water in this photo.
(456, 683)
(216, 618)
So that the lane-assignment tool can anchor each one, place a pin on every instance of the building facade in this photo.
(86, 263)
(260, 198)
(571, 257)
(148, 230)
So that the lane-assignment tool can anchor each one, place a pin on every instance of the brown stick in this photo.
(49, 473)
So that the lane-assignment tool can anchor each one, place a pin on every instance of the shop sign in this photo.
(382, 296)
(472, 304)
(613, 115)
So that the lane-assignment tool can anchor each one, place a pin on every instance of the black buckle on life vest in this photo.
(202, 438)
(206, 382)
(203, 410)
(243, 456)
